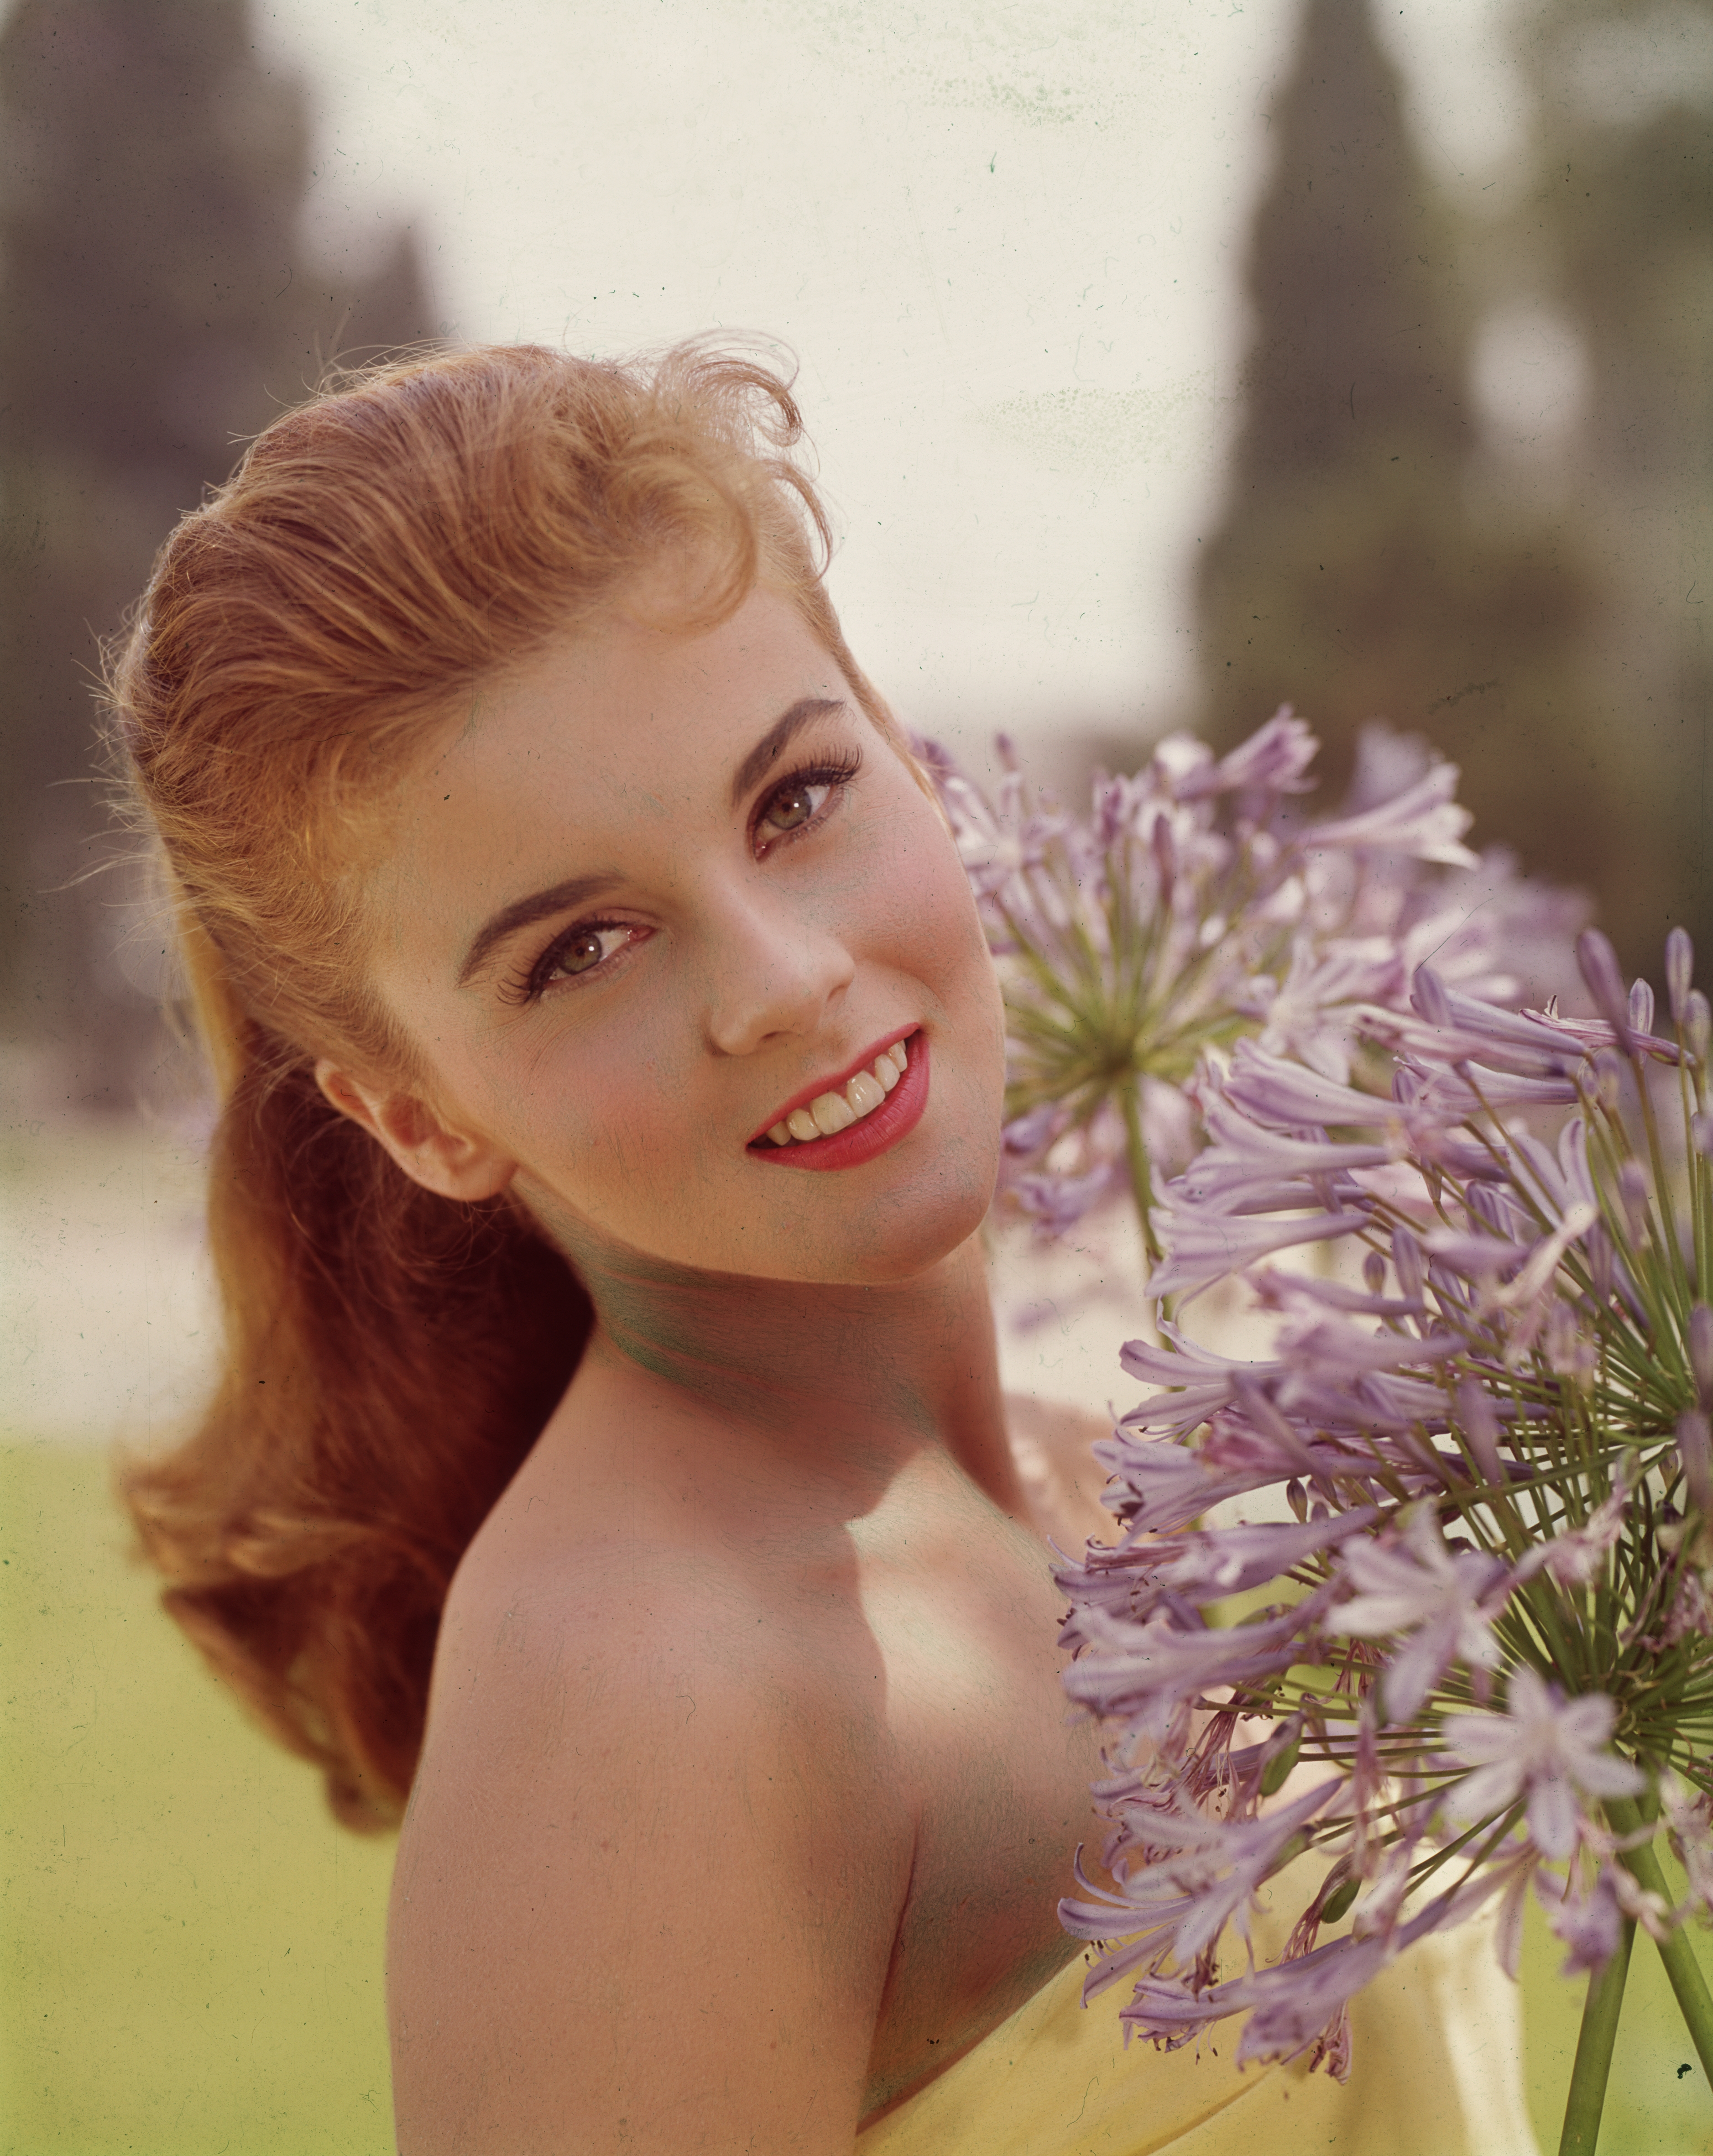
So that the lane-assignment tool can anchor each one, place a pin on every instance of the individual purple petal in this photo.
(1476, 1089)
(1415, 1587)
(1274, 759)
(1029, 1133)
(1296, 1292)
(1600, 970)
(1474, 1256)
(1315, 1011)
(1480, 1427)
(1202, 1873)
(1244, 1155)
(1159, 1484)
(1695, 1447)
(1333, 1350)
(1680, 972)
(1197, 1381)
(1284, 1095)
(1424, 821)
(1207, 1567)
(1701, 1347)
(1140, 1673)
(1427, 997)
(1056, 1203)
(1586, 1921)
(1201, 1248)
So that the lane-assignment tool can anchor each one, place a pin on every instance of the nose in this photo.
(773, 969)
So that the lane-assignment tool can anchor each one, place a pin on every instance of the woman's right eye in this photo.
(579, 950)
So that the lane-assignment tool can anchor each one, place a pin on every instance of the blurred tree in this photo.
(158, 309)
(1618, 235)
(1361, 568)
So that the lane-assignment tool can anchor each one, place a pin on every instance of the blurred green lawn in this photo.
(193, 1951)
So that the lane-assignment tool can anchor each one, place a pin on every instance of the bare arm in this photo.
(647, 1894)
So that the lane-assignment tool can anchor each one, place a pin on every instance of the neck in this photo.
(832, 1378)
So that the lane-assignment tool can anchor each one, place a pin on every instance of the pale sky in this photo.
(1002, 237)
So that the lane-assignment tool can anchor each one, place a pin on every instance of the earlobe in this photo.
(451, 1163)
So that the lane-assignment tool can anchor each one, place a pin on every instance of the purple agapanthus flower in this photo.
(1547, 1747)
(1193, 905)
(1449, 1539)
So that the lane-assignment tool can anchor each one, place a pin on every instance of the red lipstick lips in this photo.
(897, 1114)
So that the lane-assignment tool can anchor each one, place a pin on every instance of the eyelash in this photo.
(835, 773)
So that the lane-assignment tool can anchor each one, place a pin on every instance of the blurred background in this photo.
(1167, 360)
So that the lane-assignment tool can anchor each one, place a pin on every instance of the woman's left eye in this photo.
(795, 805)
(802, 799)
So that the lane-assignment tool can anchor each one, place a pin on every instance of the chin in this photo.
(907, 1232)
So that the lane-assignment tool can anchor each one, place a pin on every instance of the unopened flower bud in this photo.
(1164, 855)
(1641, 1006)
(1608, 1079)
(1632, 1190)
(1297, 1498)
(1336, 1906)
(1279, 1768)
(1679, 969)
(1599, 1245)
(1480, 1429)
(1407, 1264)
(1428, 999)
(1701, 1351)
(1408, 1086)
(1600, 970)
(1571, 1354)
(1698, 1025)
(1695, 1447)
(1374, 1272)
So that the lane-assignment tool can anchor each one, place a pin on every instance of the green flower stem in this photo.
(1141, 1182)
(1693, 2001)
(1593, 2066)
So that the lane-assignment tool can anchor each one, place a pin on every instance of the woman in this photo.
(610, 1453)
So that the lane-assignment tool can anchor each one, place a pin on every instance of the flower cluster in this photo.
(1416, 1611)
(1194, 906)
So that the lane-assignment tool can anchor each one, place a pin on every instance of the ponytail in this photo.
(391, 1356)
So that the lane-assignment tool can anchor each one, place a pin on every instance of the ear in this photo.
(453, 1164)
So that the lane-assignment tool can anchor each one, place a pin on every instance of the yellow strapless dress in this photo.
(1435, 2071)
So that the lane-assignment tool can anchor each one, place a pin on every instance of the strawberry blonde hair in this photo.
(390, 1356)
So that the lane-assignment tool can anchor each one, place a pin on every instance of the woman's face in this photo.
(656, 892)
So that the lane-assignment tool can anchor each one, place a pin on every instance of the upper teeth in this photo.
(830, 1112)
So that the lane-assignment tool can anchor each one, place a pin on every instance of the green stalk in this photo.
(1141, 1182)
(1593, 2066)
(1693, 2001)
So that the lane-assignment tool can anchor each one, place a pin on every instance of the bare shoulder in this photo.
(1052, 1443)
(647, 1892)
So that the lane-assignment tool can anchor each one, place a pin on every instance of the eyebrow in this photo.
(525, 912)
(578, 891)
(779, 738)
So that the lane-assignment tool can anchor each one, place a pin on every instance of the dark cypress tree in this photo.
(1361, 570)
(158, 309)
(1620, 229)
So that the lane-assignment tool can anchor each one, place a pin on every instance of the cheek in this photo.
(936, 911)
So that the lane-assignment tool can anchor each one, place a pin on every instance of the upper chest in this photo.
(905, 1652)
